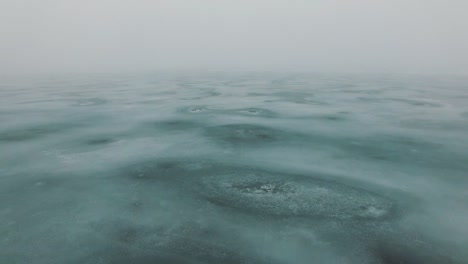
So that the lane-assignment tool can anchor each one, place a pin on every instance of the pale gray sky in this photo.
(407, 36)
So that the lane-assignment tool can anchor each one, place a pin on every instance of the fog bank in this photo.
(400, 36)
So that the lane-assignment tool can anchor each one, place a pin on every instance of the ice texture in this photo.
(233, 168)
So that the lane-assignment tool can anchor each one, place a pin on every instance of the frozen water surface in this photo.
(233, 168)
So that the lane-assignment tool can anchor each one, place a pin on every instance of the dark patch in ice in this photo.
(370, 99)
(398, 254)
(128, 235)
(27, 185)
(149, 170)
(434, 124)
(158, 170)
(464, 114)
(333, 118)
(257, 94)
(173, 125)
(160, 93)
(85, 142)
(297, 98)
(120, 233)
(243, 134)
(34, 132)
(147, 259)
(99, 141)
(136, 206)
(186, 243)
(44, 101)
(289, 195)
(203, 96)
(414, 102)
(361, 91)
(204, 251)
(214, 93)
(210, 244)
(297, 94)
(152, 101)
(385, 148)
(192, 253)
(330, 117)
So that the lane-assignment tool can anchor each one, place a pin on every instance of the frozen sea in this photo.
(233, 168)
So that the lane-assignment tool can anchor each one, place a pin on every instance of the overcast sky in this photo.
(407, 36)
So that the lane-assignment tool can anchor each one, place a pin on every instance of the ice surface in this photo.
(233, 168)
(286, 195)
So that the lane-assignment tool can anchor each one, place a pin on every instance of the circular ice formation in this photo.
(283, 195)
(197, 109)
(252, 111)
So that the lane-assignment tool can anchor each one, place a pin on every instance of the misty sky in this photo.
(395, 36)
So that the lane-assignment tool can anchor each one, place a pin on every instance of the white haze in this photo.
(398, 36)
